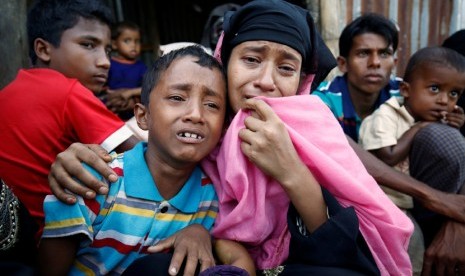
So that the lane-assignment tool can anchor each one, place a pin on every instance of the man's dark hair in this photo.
(48, 19)
(368, 23)
(152, 76)
(436, 56)
(119, 27)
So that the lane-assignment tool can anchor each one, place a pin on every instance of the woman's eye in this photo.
(251, 60)
(212, 105)
(288, 68)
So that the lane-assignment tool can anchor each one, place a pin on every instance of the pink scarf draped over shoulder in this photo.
(253, 207)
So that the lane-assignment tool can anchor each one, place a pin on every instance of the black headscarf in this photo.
(281, 22)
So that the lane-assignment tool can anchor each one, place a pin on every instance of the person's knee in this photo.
(442, 141)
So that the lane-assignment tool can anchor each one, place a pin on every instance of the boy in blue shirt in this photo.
(161, 189)
(367, 46)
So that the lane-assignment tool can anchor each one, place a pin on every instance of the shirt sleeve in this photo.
(64, 220)
(91, 121)
(378, 130)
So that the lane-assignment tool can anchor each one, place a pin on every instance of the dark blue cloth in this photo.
(335, 248)
(124, 75)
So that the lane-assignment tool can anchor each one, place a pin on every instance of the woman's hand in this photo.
(67, 168)
(266, 142)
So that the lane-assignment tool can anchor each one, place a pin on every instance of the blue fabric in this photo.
(337, 97)
(117, 228)
(124, 75)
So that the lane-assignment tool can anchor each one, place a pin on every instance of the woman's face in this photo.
(262, 68)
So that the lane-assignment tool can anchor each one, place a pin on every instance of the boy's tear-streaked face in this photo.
(186, 112)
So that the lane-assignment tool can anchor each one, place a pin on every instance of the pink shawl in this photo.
(253, 207)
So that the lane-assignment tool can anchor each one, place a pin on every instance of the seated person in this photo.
(126, 70)
(264, 63)
(52, 105)
(367, 46)
(162, 189)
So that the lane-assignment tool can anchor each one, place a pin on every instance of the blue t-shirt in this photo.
(117, 228)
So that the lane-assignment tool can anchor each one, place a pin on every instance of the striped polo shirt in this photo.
(335, 94)
(117, 228)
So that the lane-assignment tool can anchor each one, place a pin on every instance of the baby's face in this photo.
(127, 44)
(186, 112)
(433, 92)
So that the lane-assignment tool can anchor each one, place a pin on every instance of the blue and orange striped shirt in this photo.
(119, 227)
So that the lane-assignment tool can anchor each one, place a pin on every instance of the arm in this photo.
(67, 168)
(192, 243)
(266, 142)
(445, 252)
(233, 253)
(56, 255)
(392, 155)
(449, 205)
(122, 99)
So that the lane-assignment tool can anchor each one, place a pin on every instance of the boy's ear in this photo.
(42, 49)
(342, 64)
(113, 45)
(404, 89)
(141, 113)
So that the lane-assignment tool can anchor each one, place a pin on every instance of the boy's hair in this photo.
(48, 19)
(434, 55)
(368, 23)
(119, 27)
(152, 76)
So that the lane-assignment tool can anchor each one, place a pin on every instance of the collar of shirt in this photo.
(137, 172)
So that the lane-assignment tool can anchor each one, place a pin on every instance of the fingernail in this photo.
(113, 177)
(70, 200)
(103, 190)
(173, 271)
(90, 194)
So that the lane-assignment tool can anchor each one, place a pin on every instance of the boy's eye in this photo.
(176, 98)
(108, 51)
(434, 88)
(454, 94)
(88, 45)
(385, 54)
(362, 54)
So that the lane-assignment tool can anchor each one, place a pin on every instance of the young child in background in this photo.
(126, 71)
(163, 190)
(433, 82)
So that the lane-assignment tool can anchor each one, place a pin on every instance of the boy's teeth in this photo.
(190, 135)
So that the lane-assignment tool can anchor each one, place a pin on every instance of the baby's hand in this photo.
(456, 118)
